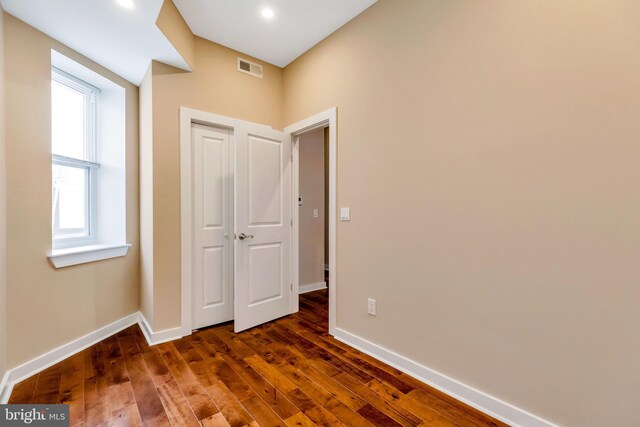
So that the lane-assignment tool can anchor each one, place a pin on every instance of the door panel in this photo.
(213, 276)
(213, 169)
(263, 213)
(265, 273)
(213, 249)
(265, 183)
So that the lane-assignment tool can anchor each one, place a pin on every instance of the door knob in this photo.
(243, 236)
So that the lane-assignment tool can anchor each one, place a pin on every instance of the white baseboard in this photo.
(5, 388)
(484, 402)
(155, 338)
(488, 404)
(40, 363)
(310, 287)
(56, 355)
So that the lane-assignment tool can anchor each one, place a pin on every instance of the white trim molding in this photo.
(480, 400)
(484, 402)
(42, 362)
(310, 287)
(155, 338)
(327, 118)
(56, 355)
(80, 255)
(5, 389)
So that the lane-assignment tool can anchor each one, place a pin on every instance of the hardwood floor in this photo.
(286, 373)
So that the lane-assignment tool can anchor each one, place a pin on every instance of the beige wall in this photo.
(217, 87)
(311, 253)
(326, 196)
(3, 212)
(176, 30)
(489, 153)
(48, 307)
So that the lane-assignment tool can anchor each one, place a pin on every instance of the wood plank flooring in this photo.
(289, 372)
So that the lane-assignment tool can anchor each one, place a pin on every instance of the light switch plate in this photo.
(315, 213)
(345, 214)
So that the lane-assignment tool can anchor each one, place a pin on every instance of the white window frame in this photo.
(109, 227)
(91, 184)
(91, 93)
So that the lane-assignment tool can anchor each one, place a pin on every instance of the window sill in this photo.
(80, 255)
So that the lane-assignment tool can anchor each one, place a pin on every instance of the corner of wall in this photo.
(3, 216)
(171, 23)
(146, 195)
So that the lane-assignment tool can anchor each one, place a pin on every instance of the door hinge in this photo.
(292, 287)
(292, 222)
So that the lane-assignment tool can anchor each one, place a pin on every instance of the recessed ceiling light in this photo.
(267, 13)
(129, 4)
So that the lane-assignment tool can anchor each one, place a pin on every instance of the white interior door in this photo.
(213, 229)
(263, 225)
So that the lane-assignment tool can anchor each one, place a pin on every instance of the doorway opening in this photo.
(314, 237)
(313, 227)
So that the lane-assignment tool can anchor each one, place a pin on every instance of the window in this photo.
(88, 164)
(74, 160)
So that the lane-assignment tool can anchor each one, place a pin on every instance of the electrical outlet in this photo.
(371, 307)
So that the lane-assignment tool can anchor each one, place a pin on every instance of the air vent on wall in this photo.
(249, 67)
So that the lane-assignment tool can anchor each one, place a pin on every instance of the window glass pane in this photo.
(70, 199)
(67, 121)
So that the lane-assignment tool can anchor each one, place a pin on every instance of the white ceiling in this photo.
(126, 40)
(122, 40)
(297, 26)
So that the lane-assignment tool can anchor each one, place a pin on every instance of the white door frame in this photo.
(320, 120)
(189, 116)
